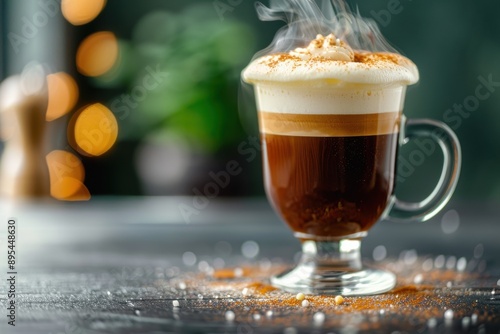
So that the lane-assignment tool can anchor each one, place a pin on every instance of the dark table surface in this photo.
(123, 265)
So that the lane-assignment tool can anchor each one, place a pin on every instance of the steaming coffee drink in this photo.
(331, 123)
(330, 143)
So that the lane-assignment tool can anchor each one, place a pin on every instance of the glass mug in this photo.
(329, 159)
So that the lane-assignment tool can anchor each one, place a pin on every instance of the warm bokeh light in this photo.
(70, 189)
(79, 12)
(66, 176)
(97, 54)
(63, 95)
(95, 130)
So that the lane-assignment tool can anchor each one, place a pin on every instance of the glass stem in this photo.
(334, 267)
(342, 255)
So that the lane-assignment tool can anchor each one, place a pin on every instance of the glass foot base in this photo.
(332, 282)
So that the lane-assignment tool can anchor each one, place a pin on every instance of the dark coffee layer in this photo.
(329, 125)
(330, 186)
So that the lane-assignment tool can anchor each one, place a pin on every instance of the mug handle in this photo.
(442, 134)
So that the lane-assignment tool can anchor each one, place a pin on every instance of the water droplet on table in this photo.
(478, 251)
(450, 222)
(427, 265)
(461, 264)
(465, 322)
(439, 261)
(250, 249)
(230, 316)
(318, 318)
(448, 317)
(189, 259)
(379, 253)
(451, 262)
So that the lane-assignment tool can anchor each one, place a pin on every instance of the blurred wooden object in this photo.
(23, 105)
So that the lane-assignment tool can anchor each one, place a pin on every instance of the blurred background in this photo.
(168, 73)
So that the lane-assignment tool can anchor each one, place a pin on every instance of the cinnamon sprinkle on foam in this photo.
(331, 58)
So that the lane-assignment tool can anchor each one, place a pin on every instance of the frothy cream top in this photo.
(329, 58)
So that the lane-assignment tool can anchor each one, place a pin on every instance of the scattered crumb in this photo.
(339, 300)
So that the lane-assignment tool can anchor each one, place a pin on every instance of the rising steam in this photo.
(305, 19)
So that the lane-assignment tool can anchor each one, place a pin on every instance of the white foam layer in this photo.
(369, 69)
(324, 99)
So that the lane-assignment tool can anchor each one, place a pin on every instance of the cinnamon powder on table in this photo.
(420, 295)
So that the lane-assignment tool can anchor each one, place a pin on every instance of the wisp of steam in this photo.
(307, 18)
